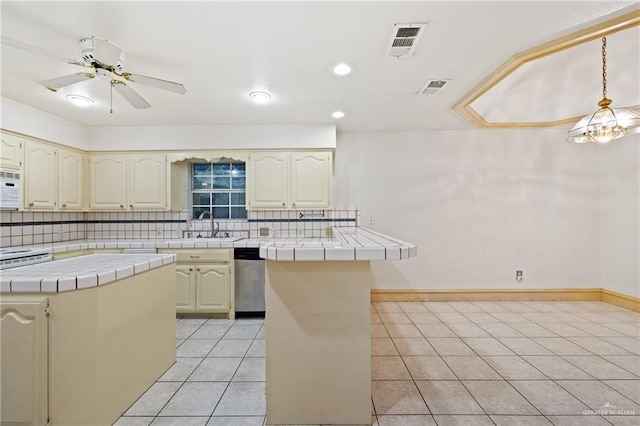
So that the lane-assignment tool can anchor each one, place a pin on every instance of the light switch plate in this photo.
(264, 232)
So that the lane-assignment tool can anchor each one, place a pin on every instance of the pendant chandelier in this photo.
(606, 124)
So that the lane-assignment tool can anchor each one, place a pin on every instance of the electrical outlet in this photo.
(328, 231)
(519, 276)
(264, 232)
(372, 220)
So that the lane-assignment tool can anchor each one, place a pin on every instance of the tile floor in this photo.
(433, 363)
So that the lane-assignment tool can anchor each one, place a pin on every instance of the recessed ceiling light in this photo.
(341, 69)
(79, 100)
(337, 114)
(260, 97)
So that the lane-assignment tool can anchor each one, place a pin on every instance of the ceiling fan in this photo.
(101, 58)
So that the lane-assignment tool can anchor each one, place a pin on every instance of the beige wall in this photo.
(620, 216)
(479, 204)
(30, 121)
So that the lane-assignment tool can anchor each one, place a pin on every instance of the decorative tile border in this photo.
(27, 228)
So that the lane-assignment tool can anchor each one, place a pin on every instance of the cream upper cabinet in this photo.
(121, 182)
(53, 177)
(70, 180)
(108, 182)
(23, 355)
(147, 182)
(310, 180)
(41, 176)
(10, 151)
(267, 181)
(289, 180)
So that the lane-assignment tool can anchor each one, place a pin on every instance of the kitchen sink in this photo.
(213, 239)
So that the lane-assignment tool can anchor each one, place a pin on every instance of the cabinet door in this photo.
(24, 361)
(310, 180)
(147, 182)
(70, 180)
(185, 288)
(10, 151)
(267, 176)
(213, 288)
(41, 176)
(108, 177)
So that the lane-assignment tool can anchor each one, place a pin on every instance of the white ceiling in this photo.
(222, 50)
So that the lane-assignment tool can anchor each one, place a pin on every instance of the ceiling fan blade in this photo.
(105, 52)
(130, 95)
(58, 83)
(34, 49)
(156, 82)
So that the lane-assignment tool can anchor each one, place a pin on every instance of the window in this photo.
(219, 188)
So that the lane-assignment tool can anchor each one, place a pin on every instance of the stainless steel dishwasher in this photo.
(249, 283)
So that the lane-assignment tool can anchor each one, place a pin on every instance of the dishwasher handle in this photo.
(247, 253)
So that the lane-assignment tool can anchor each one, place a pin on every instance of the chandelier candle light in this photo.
(606, 124)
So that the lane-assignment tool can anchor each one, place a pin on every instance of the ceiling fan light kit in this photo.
(260, 97)
(79, 100)
(606, 124)
(107, 60)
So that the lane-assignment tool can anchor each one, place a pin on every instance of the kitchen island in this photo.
(83, 338)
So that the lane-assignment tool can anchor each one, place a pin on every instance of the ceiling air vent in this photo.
(432, 87)
(404, 39)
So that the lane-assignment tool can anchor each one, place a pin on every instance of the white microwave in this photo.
(10, 190)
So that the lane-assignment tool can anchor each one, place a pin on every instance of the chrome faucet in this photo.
(214, 230)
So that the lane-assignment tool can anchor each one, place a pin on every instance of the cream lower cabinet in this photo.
(204, 281)
(213, 288)
(24, 360)
(185, 288)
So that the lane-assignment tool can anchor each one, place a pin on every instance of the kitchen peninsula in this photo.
(83, 338)
(318, 327)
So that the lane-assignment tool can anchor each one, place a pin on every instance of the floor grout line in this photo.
(628, 329)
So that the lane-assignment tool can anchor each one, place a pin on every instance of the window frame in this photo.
(211, 190)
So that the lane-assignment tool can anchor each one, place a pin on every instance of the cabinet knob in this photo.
(195, 257)
(198, 269)
(131, 205)
(64, 205)
(282, 204)
(294, 204)
(190, 269)
(121, 206)
(30, 204)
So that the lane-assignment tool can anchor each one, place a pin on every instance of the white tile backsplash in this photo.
(25, 228)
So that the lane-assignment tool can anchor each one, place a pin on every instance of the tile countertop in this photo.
(345, 244)
(79, 272)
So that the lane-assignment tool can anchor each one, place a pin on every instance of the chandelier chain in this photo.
(604, 67)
